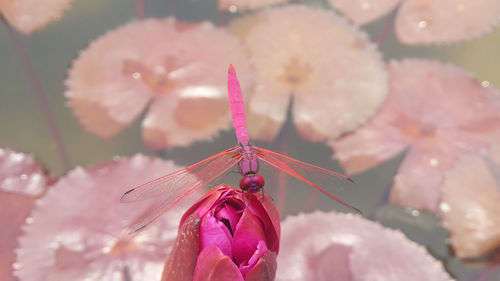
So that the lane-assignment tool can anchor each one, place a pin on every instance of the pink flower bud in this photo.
(226, 235)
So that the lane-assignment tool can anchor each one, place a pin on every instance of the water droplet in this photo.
(415, 213)
(422, 24)
(136, 75)
(233, 9)
(485, 83)
(28, 220)
(444, 207)
(433, 162)
(16, 266)
(23, 177)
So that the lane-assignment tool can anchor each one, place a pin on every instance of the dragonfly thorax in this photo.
(249, 164)
(252, 183)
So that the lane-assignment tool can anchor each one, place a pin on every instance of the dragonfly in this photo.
(178, 185)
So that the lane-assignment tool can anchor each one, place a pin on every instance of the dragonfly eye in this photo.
(252, 183)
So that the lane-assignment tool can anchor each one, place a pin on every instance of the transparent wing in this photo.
(178, 185)
(314, 176)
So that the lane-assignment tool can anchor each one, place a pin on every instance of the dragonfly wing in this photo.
(314, 176)
(178, 185)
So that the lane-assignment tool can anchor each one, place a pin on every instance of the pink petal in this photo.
(235, 5)
(261, 208)
(363, 11)
(247, 235)
(269, 217)
(215, 233)
(208, 201)
(182, 259)
(179, 68)
(78, 229)
(213, 265)
(445, 21)
(330, 96)
(264, 269)
(439, 111)
(470, 208)
(229, 213)
(259, 252)
(28, 16)
(308, 237)
(255, 233)
(22, 179)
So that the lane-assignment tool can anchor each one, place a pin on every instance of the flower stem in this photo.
(388, 26)
(173, 7)
(39, 95)
(139, 4)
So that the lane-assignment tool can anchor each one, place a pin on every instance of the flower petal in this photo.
(230, 213)
(269, 217)
(182, 259)
(264, 269)
(247, 235)
(205, 203)
(445, 21)
(213, 265)
(260, 251)
(214, 233)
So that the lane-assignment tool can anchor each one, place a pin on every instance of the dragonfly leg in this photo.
(249, 198)
(234, 191)
(243, 197)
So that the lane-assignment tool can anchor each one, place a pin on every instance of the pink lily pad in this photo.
(436, 113)
(317, 245)
(177, 70)
(78, 231)
(22, 181)
(470, 208)
(422, 22)
(335, 74)
(28, 16)
(446, 21)
(364, 11)
(234, 5)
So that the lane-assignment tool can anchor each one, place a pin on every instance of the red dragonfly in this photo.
(176, 186)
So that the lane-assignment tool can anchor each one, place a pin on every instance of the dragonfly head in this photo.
(252, 183)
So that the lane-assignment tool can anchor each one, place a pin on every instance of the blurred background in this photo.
(48, 54)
